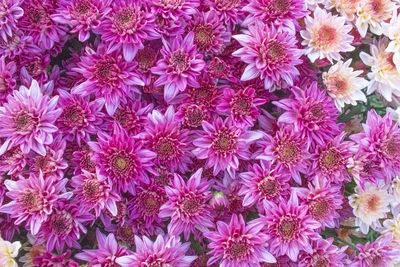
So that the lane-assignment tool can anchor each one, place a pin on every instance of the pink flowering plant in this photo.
(195, 133)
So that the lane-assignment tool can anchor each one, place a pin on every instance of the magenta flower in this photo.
(51, 165)
(83, 161)
(368, 168)
(10, 13)
(164, 251)
(241, 105)
(132, 116)
(223, 144)
(187, 205)
(331, 160)
(324, 253)
(209, 32)
(81, 15)
(171, 144)
(381, 137)
(281, 13)
(263, 182)
(63, 226)
(33, 200)
(179, 67)
(191, 115)
(27, 120)
(13, 161)
(311, 113)
(174, 10)
(37, 23)
(146, 204)
(378, 253)
(107, 252)
(108, 76)
(126, 27)
(7, 78)
(287, 150)
(122, 159)
(289, 226)
(270, 53)
(231, 11)
(324, 202)
(92, 192)
(48, 259)
(238, 244)
(79, 118)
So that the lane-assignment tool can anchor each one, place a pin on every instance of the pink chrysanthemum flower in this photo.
(81, 15)
(209, 32)
(262, 182)
(241, 105)
(326, 35)
(324, 201)
(92, 192)
(37, 23)
(288, 150)
(63, 226)
(132, 116)
(170, 143)
(367, 168)
(281, 13)
(311, 113)
(270, 53)
(238, 244)
(179, 67)
(79, 118)
(33, 200)
(106, 75)
(192, 115)
(222, 143)
(122, 159)
(164, 251)
(7, 79)
(230, 10)
(27, 120)
(48, 259)
(175, 9)
(207, 93)
(146, 204)
(377, 253)
(83, 161)
(382, 138)
(324, 253)
(51, 165)
(126, 27)
(331, 160)
(10, 13)
(18, 44)
(13, 161)
(289, 226)
(187, 205)
(107, 252)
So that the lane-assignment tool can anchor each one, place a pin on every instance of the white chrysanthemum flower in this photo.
(395, 187)
(384, 76)
(373, 13)
(326, 36)
(369, 205)
(344, 85)
(392, 227)
(8, 252)
(392, 30)
(346, 8)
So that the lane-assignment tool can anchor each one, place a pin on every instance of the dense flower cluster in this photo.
(194, 133)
